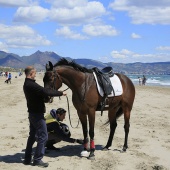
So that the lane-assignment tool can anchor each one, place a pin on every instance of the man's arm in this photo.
(50, 92)
(45, 92)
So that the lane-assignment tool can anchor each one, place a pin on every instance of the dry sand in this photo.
(149, 137)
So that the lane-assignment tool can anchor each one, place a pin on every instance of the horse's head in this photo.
(52, 80)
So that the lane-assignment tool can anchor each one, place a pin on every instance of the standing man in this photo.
(143, 80)
(35, 94)
(140, 81)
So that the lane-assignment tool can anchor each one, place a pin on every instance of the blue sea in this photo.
(152, 80)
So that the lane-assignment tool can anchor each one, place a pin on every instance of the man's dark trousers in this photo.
(38, 132)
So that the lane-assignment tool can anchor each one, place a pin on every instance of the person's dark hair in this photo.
(60, 111)
(28, 70)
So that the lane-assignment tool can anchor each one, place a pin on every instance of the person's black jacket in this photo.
(35, 95)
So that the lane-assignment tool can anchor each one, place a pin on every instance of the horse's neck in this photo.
(78, 82)
(72, 78)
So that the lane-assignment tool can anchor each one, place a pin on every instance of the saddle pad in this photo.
(116, 84)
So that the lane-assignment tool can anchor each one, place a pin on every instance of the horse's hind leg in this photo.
(113, 125)
(126, 128)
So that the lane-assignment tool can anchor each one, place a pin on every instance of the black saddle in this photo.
(103, 77)
(108, 71)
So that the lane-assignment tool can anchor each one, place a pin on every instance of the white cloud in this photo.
(21, 36)
(63, 12)
(124, 53)
(31, 14)
(144, 11)
(67, 33)
(163, 48)
(126, 56)
(67, 3)
(135, 36)
(15, 31)
(3, 47)
(15, 3)
(27, 42)
(100, 30)
(77, 14)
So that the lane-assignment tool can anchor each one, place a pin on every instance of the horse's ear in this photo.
(50, 65)
(47, 67)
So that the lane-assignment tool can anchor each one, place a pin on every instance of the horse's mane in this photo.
(72, 63)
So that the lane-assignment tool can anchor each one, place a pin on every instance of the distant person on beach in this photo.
(6, 74)
(140, 81)
(8, 79)
(35, 95)
(143, 80)
(20, 74)
(58, 131)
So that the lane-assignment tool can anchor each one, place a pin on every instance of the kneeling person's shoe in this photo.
(40, 164)
(51, 147)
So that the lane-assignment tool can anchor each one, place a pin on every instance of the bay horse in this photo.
(85, 98)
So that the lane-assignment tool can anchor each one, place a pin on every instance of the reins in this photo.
(70, 114)
(65, 89)
(54, 85)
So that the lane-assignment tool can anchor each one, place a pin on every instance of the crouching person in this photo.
(58, 131)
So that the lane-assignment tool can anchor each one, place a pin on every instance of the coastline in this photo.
(153, 86)
(152, 80)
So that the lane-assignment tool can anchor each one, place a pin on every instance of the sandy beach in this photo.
(149, 137)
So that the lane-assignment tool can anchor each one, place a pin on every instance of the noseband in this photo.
(56, 76)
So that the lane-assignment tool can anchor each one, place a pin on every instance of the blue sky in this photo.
(121, 31)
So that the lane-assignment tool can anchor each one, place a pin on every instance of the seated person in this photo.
(58, 131)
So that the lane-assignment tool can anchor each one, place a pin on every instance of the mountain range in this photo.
(39, 59)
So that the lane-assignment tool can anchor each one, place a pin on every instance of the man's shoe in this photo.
(40, 164)
(27, 162)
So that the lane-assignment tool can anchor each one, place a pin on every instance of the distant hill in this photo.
(11, 60)
(144, 68)
(39, 59)
(90, 63)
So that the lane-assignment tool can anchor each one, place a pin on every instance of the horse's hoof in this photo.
(85, 153)
(105, 149)
(91, 156)
(124, 149)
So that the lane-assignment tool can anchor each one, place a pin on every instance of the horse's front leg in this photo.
(91, 134)
(83, 119)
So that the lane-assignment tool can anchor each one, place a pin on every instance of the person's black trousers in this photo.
(38, 132)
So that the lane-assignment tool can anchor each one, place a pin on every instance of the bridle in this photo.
(56, 76)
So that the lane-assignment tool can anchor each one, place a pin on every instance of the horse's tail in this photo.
(118, 114)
